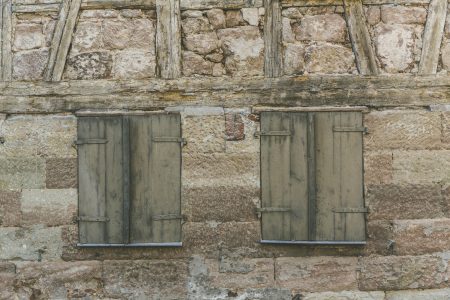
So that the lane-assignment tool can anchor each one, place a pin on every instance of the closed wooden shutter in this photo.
(100, 180)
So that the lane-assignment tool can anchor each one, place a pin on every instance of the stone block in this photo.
(19, 173)
(373, 14)
(209, 169)
(441, 294)
(416, 237)
(445, 55)
(251, 16)
(194, 64)
(234, 18)
(288, 33)
(204, 134)
(116, 34)
(143, 35)
(294, 59)
(61, 173)
(10, 214)
(347, 295)
(380, 238)
(216, 18)
(7, 276)
(326, 28)
(91, 65)
(234, 127)
(399, 129)
(30, 65)
(201, 43)
(446, 124)
(87, 37)
(378, 167)
(421, 167)
(196, 25)
(49, 207)
(99, 13)
(28, 36)
(326, 58)
(399, 14)
(38, 136)
(317, 274)
(402, 272)
(405, 201)
(33, 243)
(220, 203)
(146, 279)
(134, 64)
(292, 13)
(59, 280)
(263, 294)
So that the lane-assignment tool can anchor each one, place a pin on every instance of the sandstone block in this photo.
(415, 237)
(99, 13)
(191, 14)
(399, 14)
(194, 64)
(421, 167)
(446, 127)
(29, 65)
(131, 13)
(38, 136)
(134, 64)
(234, 127)
(395, 46)
(217, 18)
(234, 18)
(218, 70)
(49, 207)
(220, 203)
(316, 274)
(251, 16)
(329, 58)
(34, 243)
(264, 294)
(292, 13)
(146, 279)
(402, 272)
(327, 28)
(294, 59)
(403, 130)
(201, 43)
(59, 280)
(196, 25)
(288, 34)
(143, 35)
(91, 65)
(61, 173)
(204, 134)
(10, 215)
(378, 167)
(441, 294)
(373, 14)
(87, 37)
(116, 34)
(445, 55)
(405, 201)
(347, 295)
(18, 173)
(28, 36)
(379, 237)
(249, 144)
(7, 274)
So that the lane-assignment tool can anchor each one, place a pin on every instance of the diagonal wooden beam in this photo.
(168, 38)
(432, 37)
(6, 35)
(273, 58)
(360, 38)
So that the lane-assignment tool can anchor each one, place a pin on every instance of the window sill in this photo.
(130, 245)
(331, 243)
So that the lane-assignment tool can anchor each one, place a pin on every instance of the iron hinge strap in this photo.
(90, 141)
(92, 219)
(349, 210)
(350, 129)
(272, 133)
(168, 139)
(166, 217)
(261, 210)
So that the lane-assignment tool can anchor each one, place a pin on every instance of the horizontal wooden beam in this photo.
(151, 94)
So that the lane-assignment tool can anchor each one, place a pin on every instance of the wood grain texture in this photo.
(6, 32)
(360, 38)
(432, 37)
(223, 4)
(154, 94)
(273, 58)
(168, 39)
(66, 40)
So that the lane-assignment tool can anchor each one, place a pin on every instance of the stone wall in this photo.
(406, 155)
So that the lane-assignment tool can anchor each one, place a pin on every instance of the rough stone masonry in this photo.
(112, 60)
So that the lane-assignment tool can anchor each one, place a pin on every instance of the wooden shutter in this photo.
(155, 174)
(100, 175)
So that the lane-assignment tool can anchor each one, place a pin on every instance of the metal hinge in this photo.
(90, 141)
(163, 139)
(166, 217)
(262, 210)
(350, 129)
(349, 210)
(257, 134)
(92, 219)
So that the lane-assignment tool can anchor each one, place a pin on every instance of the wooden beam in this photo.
(397, 2)
(223, 4)
(6, 33)
(102, 4)
(360, 38)
(66, 40)
(168, 38)
(273, 58)
(432, 37)
(152, 94)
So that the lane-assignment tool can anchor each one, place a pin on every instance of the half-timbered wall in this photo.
(219, 64)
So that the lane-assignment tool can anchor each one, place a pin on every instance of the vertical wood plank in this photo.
(168, 38)
(299, 181)
(311, 169)
(432, 37)
(56, 40)
(275, 176)
(126, 177)
(165, 179)
(360, 38)
(6, 59)
(273, 62)
(66, 40)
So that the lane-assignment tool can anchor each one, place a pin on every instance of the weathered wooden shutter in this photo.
(100, 175)
(311, 177)
(155, 179)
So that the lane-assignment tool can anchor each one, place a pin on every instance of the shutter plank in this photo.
(299, 177)
(165, 180)
(275, 166)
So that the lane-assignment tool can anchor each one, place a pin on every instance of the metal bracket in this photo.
(258, 134)
(348, 210)
(92, 219)
(350, 129)
(163, 139)
(90, 141)
(261, 210)
(166, 217)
